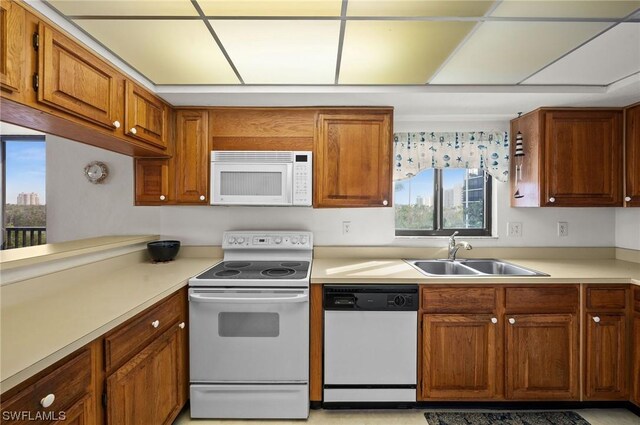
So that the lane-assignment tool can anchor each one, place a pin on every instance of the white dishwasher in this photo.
(370, 343)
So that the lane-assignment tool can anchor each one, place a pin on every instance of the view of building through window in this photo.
(436, 201)
(24, 194)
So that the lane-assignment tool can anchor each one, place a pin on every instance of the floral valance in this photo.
(488, 151)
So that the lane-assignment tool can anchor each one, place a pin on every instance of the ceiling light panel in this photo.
(166, 52)
(565, 8)
(281, 52)
(397, 52)
(508, 52)
(271, 8)
(417, 8)
(125, 7)
(608, 58)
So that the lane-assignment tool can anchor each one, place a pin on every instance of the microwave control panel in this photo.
(302, 178)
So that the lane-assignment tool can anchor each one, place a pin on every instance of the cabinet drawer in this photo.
(599, 298)
(558, 299)
(68, 383)
(137, 332)
(459, 300)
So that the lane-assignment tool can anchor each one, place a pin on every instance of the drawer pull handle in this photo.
(133, 130)
(181, 325)
(116, 124)
(155, 323)
(512, 320)
(48, 400)
(494, 320)
(596, 319)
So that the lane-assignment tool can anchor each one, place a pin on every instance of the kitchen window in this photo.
(438, 202)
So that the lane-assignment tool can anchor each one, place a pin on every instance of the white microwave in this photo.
(261, 178)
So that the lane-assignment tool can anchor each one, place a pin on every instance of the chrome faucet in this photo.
(454, 247)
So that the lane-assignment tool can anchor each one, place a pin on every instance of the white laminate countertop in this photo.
(47, 318)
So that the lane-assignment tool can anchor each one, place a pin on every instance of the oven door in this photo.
(251, 184)
(248, 335)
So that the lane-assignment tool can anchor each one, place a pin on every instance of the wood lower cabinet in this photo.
(460, 356)
(12, 47)
(152, 182)
(606, 357)
(542, 360)
(635, 344)
(191, 161)
(573, 158)
(81, 413)
(353, 159)
(632, 155)
(146, 117)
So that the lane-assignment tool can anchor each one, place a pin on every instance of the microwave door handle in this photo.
(207, 299)
(289, 183)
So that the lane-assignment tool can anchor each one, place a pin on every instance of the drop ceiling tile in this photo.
(507, 52)
(281, 52)
(417, 8)
(566, 9)
(125, 7)
(165, 51)
(271, 7)
(608, 58)
(397, 52)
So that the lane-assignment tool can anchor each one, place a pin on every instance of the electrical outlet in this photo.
(514, 229)
(346, 227)
(563, 229)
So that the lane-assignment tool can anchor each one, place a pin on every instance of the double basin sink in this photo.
(468, 268)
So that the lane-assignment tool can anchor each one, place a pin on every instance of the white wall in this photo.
(78, 209)
(628, 228)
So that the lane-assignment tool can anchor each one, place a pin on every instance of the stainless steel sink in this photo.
(480, 267)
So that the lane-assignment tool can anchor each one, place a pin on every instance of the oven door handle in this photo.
(239, 300)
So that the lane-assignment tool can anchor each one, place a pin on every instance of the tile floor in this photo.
(400, 417)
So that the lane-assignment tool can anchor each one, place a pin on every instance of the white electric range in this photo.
(249, 328)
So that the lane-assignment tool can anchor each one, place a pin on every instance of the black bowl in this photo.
(163, 250)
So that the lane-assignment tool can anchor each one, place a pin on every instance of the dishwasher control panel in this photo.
(371, 297)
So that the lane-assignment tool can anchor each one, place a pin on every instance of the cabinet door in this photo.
(635, 372)
(12, 45)
(146, 117)
(606, 356)
(192, 157)
(459, 356)
(542, 357)
(152, 182)
(583, 158)
(75, 81)
(353, 160)
(81, 413)
(148, 388)
(632, 194)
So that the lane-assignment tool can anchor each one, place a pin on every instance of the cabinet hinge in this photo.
(104, 399)
(36, 41)
(36, 81)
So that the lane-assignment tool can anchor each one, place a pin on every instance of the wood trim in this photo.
(316, 343)
(219, 143)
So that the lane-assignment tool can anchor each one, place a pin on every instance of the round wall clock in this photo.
(96, 172)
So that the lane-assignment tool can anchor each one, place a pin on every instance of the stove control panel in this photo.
(265, 240)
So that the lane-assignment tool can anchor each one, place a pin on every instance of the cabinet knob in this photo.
(552, 199)
(48, 400)
(162, 197)
(116, 124)
(181, 325)
(133, 130)
(202, 198)
(627, 198)
(596, 319)
(155, 323)
(512, 321)
(494, 320)
(385, 202)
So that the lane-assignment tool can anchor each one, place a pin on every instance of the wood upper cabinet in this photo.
(191, 161)
(152, 182)
(542, 360)
(460, 356)
(632, 149)
(12, 45)
(353, 159)
(573, 158)
(75, 81)
(146, 117)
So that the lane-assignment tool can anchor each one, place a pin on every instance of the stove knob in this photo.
(399, 300)
(304, 240)
(240, 240)
(294, 240)
(232, 240)
(278, 241)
